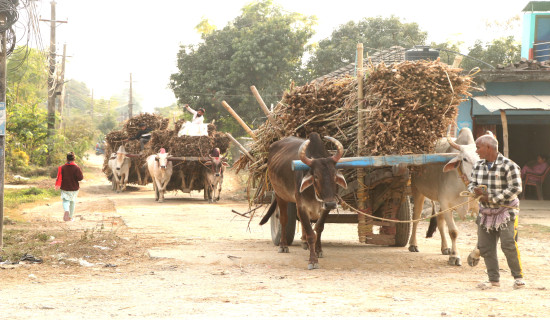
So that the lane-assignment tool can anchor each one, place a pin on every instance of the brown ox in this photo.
(214, 169)
(312, 204)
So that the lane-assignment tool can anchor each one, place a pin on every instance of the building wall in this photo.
(528, 34)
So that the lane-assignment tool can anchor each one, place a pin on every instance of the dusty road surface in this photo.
(185, 258)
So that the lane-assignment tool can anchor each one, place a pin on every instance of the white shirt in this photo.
(196, 119)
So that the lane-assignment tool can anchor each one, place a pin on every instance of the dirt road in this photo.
(194, 259)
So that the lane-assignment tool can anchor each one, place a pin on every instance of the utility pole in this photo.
(51, 79)
(3, 72)
(61, 83)
(130, 104)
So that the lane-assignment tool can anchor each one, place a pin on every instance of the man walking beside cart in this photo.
(496, 181)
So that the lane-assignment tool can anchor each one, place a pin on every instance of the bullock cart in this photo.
(386, 197)
(389, 124)
(190, 155)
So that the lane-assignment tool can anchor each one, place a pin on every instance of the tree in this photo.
(27, 75)
(375, 33)
(499, 51)
(262, 47)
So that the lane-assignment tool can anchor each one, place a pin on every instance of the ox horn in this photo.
(302, 153)
(339, 147)
(451, 142)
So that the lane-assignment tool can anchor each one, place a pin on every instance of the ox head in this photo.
(467, 156)
(120, 156)
(322, 175)
(216, 164)
(162, 158)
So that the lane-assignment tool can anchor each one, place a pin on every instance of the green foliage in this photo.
(107, 124)
(78, 136)
(27, 75)
(26, 130)
(15, 197)
(261, 47)
(375, 33)
(204, 27)
(500, 51)
(16, 158)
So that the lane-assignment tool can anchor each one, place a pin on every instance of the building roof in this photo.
(517, 102)
(540, 6)
(394, 54)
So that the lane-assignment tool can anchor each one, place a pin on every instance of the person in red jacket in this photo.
(68, 176)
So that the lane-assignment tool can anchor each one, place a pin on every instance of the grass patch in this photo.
(14, 197)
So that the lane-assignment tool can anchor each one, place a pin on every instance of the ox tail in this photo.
(433, 223)
(269, 212)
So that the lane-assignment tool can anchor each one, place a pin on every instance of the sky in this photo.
(109, 39)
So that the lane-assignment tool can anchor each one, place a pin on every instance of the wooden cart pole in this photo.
(504, 132)
(362, 226)
(239, 120)
(266, 110)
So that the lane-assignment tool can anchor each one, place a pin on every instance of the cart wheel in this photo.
(403, 230)
(290, 226)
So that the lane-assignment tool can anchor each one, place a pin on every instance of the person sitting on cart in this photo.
(197, 115)
(196, 127)
(143, 135)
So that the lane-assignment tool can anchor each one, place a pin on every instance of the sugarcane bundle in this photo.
(406, 107)
(151, 120)
(410, 105)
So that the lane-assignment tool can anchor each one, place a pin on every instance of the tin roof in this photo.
(540, 6)
(517, 102)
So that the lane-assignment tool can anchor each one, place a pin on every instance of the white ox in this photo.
(160, 170)
(120, 166)
(443, 183)
(213, 175)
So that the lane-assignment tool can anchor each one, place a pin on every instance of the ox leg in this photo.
(155, 188)
(283, 218)
(418, 200)
(219, 189)
(303, 238)
(124, 181)
(160, 191)
(311, 239)
(163, 189)
(454, 259)
(441, 227)
(117, 183)
(211, 190)
(319, 227)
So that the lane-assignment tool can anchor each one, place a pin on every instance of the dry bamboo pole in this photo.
(239, 120)
(504, 132)
(362, 226)
(243, 149)
(266, 111)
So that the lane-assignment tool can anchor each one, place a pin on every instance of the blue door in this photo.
(541, 47)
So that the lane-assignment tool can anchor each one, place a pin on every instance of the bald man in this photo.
(499, 209)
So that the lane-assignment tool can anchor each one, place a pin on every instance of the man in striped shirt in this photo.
(496, 180)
